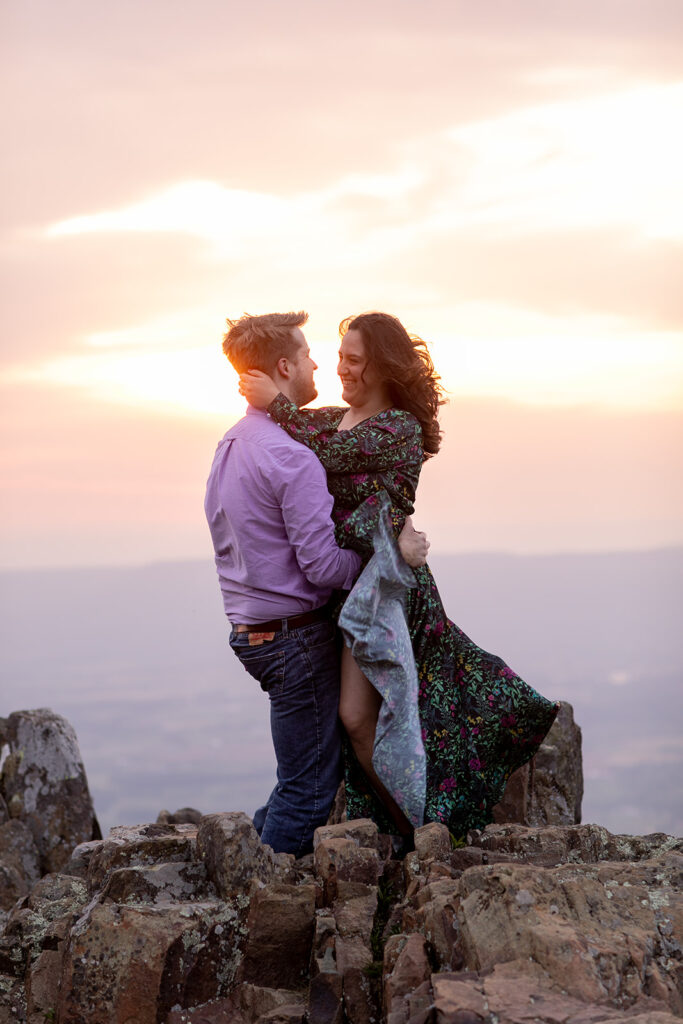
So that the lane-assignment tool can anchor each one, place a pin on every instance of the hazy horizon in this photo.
(138, 660)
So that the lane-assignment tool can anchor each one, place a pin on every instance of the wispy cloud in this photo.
(609, 160)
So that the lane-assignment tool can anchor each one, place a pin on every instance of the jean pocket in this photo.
(266, 666)
(317, 633)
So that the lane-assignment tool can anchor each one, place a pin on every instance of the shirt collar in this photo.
(253, 411)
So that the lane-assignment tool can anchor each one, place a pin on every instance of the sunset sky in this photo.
(506, 177)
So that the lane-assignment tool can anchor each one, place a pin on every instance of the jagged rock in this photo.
(179, 923)
(44, 784)
(520, 991)
(79, 861)
(325, 998)
(604, 932)
(183, 816)
(343, 860)
(256, 1001)
(33, 944)
(363, 831)
(584, 844)
(355, 917)
(458, 999)
(432, 842)
(325, 990)
(338, 809)
(142, 845)
(19, 862)
(414, 874)
(406, 967)
(549, 789)
(290, 1014)
(233, 854)
(127, 963)
(435, 917)
(216, 1011)
(158, 883)
(359, 994)
(280, 929)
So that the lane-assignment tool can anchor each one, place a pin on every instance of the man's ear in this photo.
(282, 367)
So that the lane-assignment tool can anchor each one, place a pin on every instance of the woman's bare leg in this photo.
(359, 704)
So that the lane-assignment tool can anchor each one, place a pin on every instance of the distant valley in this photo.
(138, 660)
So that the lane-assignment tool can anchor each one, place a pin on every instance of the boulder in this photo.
(520, 991)
(183, 816)
(548, 790)
(280, 928)
(577, 844)
(436, 918)
(126, 963)
(141, 845)
(432, 842)
(355, 917)
(363, 831)
(406, 967)
(255, 1002)
(230, 847)
(216, 1011)
(325, 990)
(325, 995)
(44, 785)
(603, 932)
(343, 860)
(35, 939)
(19, 862)
(158, 883)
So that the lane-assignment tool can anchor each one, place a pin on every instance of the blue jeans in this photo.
(299, 670)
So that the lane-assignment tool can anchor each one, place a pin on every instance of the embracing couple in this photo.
(332, 607)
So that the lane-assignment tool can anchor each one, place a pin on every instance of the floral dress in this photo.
(477, 720)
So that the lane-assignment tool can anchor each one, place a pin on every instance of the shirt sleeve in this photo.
(300, 487)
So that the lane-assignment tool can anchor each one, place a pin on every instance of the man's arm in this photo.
(413, 544)
(306, 505)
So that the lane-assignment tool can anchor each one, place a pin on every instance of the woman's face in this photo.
(360, 382)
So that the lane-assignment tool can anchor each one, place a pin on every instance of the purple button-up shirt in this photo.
(269, 509)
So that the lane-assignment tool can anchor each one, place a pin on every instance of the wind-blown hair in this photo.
(258, 342)
(405, 367)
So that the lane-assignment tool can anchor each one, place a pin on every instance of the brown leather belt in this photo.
(294, 622)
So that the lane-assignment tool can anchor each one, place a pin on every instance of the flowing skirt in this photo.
(455, 721)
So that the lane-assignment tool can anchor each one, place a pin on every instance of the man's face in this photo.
(303, 389)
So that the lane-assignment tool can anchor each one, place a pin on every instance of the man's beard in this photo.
(305, 392)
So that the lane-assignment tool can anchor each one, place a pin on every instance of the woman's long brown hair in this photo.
(405, 367)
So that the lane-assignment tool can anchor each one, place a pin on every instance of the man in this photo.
(268, 510)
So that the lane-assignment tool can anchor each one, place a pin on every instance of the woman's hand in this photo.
(258, 388)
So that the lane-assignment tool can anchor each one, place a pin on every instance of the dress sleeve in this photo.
(374, 446)
(308, 426)
(383, 454)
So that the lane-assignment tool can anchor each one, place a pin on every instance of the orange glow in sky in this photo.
(510, 186)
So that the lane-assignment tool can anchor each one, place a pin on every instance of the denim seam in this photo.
(314, 694)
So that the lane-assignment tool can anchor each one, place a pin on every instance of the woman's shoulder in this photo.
(388, 428)
(403, 422)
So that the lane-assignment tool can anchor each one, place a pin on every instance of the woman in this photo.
(479, 721)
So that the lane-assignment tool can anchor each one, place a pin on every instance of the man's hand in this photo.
(258, 388)
(413, 545)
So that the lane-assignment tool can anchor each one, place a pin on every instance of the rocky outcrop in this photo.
(191, 920)
(549, 789)
(45, 792)
(182, 924)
